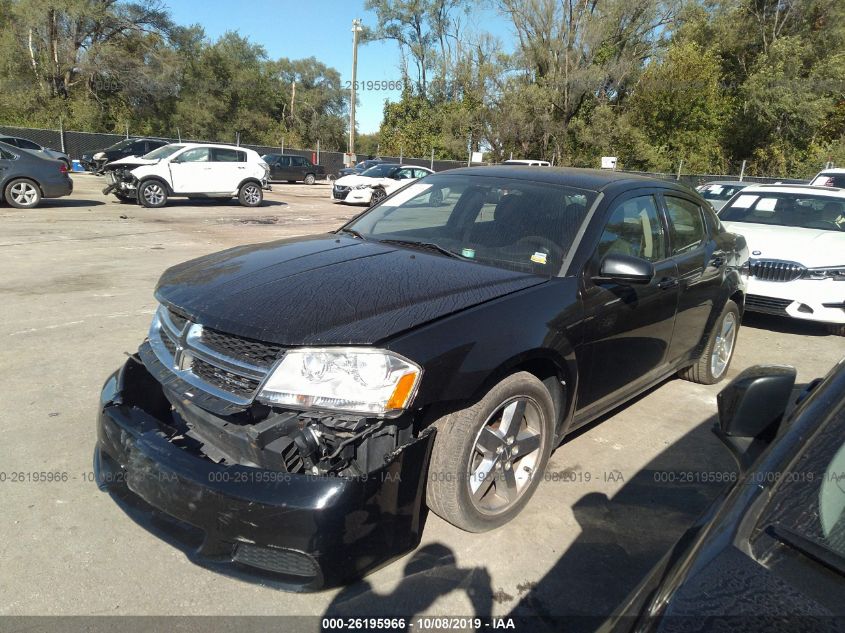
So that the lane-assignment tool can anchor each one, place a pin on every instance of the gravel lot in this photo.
(76, 295)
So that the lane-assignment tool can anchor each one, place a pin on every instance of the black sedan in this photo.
(298, 403)
(770, 554)
(95, 161)
(26, 178)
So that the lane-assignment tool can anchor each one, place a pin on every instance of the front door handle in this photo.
(667, 283)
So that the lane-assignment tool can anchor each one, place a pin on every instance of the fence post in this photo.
(401, 154)
(742, 171)
(283, 145)
(680, 166)
(179, 134)
(318, 151)
(432, 159)
(127, 129)
(62, 134)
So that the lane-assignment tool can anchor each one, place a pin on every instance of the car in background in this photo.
(32, 146)
(717, 193)
(95, 161)
(529, 162)
(796, 235)
(830, 178)
(193, 170)
(375, 184)
(299, 401)
(361, 167)
(769, 554)
(26, 178)
(293, 168)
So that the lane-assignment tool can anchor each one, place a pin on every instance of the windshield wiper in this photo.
(351, 232)
(817, 552)
(431, 246)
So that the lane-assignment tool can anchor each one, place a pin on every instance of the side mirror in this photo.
(625, 269)
(751, 409)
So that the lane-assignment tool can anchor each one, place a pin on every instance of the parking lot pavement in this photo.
(76, 296)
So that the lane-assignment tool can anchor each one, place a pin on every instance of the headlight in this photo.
(357, 380)
(361, 187)
(99, 156)
(830, 272)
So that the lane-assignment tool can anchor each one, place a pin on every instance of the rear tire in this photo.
(378, 195)
(310, 179)
(250, 195)
(22, 194)
(716, 358)
(489, 458)
(837, 329)
(152, 194)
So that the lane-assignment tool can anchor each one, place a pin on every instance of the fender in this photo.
(159, 180)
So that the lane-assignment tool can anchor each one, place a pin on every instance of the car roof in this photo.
(217, 145)
(731, 183)
(832, 192)
(591, 179)
(832, 170)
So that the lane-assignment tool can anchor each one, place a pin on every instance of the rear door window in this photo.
(686, 224)
(25, 144)
(225, 155)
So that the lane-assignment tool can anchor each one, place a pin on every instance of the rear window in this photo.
(720, 192)
(829, 180)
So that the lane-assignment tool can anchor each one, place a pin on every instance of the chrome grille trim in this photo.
(176, 348)
(775, 270)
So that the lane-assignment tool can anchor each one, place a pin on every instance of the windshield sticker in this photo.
(767, 204)
(468, 252)
(539, 258)
(406, 194)
(743, 202)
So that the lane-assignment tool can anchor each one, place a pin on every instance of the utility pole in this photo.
(356, 28)
(293, 99)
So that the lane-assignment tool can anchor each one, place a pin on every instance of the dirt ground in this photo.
(76, 296)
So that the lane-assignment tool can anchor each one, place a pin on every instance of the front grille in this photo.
(770, 305)
(223, 379)
(340, 192)
(228, 367)
(281, 561)
(775, 270)
(243, 349)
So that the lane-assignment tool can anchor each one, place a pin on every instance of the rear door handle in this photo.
(669, 282)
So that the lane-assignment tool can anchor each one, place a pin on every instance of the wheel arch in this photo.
(249, 179)
(157, 179)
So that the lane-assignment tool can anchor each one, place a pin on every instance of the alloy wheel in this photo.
(252, 195)
(24, 193)
(153, 194)
(505, 455)
(723, 345)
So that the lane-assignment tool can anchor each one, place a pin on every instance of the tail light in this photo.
(62, 168)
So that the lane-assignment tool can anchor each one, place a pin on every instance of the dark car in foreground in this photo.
(95, 161)
(770, 553)
(298, 403)
(26, 178)
(293, 168)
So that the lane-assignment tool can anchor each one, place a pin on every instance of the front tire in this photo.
(310, 179)
(713, 364)
(488, 459)
(377, 197)
(22, 194)
(152, 194)
(250, 195)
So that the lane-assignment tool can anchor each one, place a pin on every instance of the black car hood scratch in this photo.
(329, 289)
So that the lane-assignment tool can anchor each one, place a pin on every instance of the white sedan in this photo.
(796, 237)
(376, 183)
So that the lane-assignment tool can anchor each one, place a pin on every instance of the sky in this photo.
(322, 29)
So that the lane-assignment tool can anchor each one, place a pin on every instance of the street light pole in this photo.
(356, 28)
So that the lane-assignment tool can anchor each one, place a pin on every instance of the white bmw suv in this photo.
(796, 236)
(193, 170)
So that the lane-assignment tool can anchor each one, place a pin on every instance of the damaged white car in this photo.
(191, 170)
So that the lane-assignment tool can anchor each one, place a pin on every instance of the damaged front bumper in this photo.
(306, 531)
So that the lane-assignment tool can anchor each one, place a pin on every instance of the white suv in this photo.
(796, 236)
(193, 170)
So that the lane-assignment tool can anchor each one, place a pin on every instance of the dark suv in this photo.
(294, 168)
(94, 161)
(297, 402)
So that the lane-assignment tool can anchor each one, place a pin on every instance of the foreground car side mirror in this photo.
(751, 409)
(625, 269)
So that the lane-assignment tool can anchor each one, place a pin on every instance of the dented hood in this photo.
(329, 289)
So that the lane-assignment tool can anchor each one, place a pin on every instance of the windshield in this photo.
(163, 152)
(121, 144)
(378, 171)
(799, 210)
(508, 223)
(832, 179)
(720, 192)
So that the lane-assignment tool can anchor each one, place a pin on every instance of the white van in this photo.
(529, 162)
